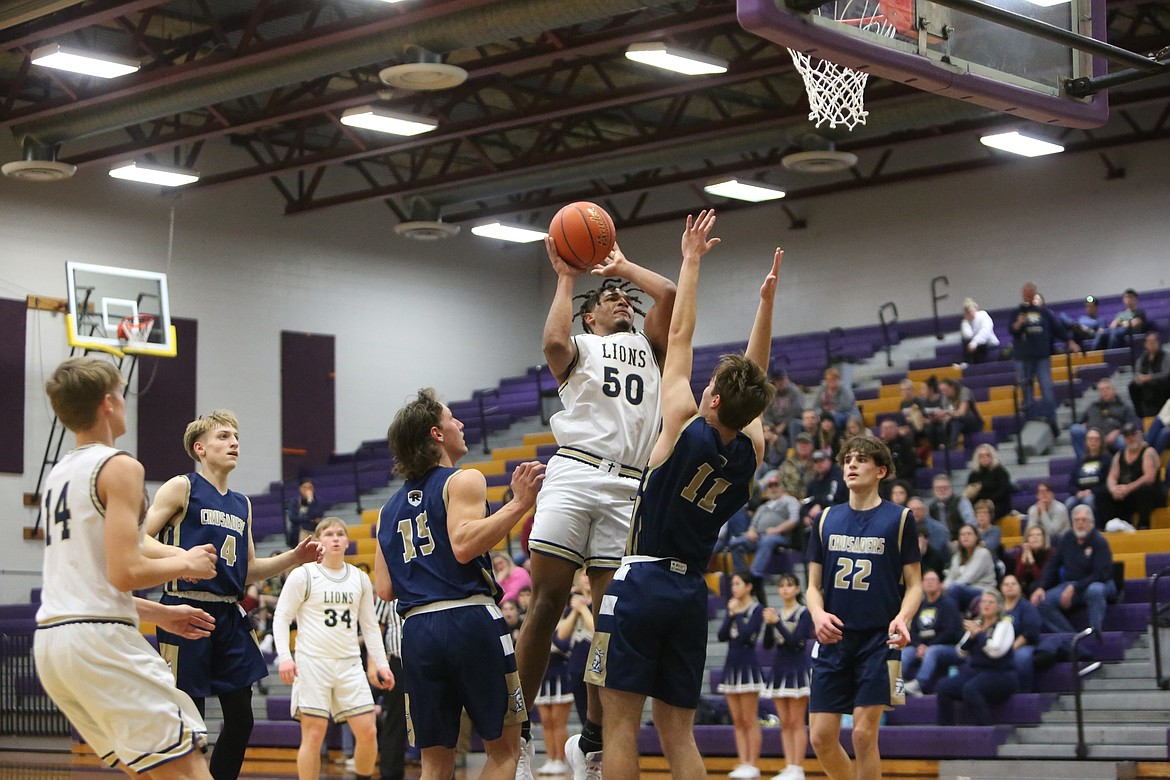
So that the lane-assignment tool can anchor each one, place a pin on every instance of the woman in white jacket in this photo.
(977, 331)
(989, 675)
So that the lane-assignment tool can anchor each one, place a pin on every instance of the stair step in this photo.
(1038, 770)
(1154, 700)
(1094, 734)
(1140, 717)
(1119, 752)
(1126, 671)
(1144, 683)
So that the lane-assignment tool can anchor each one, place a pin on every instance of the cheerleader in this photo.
(742, 679)
(787, 629)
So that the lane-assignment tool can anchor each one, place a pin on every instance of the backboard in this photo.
(938, 49)
(101, 296)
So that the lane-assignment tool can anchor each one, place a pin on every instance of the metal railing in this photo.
(479, 395)
(25, 709)
(935, 297)
(1159, 617)
(1082, 748)
(891, 306)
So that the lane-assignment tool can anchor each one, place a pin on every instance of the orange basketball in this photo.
(583, 234)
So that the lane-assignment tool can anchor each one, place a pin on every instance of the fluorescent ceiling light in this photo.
(689, 63)
(1020, 144)
(753, 193)
(105, 66)
(155, 174)
(383, 120)
(517, 235)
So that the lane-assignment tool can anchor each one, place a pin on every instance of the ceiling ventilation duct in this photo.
(819, 155)
(424, 72)
(425, 224)
(39, 164)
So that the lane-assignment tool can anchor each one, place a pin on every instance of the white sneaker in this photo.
(911, 688)
(744, 772)
(553, 767)
(585, 766)
(797, 772)
(350, 766)
(527, 758)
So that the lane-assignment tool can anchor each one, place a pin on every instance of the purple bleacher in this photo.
(1064, 466)
(973, 440)
(337, 494)
(21, 625)
(715, 603)
(34, 595)
(286, 734)
(546, 449)
(866, 393)
(264, 526)
(1112, 644)
(959, 458)
(1004, 426)
(497, 480)
(510, 465)
(8, 611)
(1138, 590)
(1156, 562)
(1020, 709)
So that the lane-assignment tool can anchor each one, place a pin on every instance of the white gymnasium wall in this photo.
(462, 313)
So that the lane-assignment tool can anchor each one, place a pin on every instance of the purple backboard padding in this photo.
(791, 29)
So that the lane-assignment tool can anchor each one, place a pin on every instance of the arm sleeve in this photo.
(368, 621)
(999, 640)
(770, 637)
(1102, 570)
(751, 628)
(966, 510)
(292, 595)
(724, 634)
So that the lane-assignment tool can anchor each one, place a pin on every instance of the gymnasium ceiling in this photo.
(550, 112)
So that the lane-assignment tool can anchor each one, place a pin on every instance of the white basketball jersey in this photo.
(75, 582)
(612, 398)
(328, 606)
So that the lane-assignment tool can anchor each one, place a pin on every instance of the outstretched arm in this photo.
(759, 348)
(559, 351)
(657, 286)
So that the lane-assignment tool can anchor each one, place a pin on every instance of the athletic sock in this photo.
(526, 731)
(590, 737)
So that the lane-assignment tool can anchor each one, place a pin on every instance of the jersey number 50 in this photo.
(612, 385)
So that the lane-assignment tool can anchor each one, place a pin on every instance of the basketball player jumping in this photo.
(864, 585)
(433, 540)
(651, 637)
(91, 657)
(196, 509)
(609, 383)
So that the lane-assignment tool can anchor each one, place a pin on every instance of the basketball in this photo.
(583, 233)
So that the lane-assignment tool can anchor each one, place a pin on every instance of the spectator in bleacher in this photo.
(835, 398)
(743, 680)
(826, 488)
(797, 471)
(902, 450)
(304, 512)
(959, 416)
(510, 609)
(786, 406)
(1133, 484)
(1087, 479)
(788, 629)
(855, 427)
(1027, 624)
(1048, 513)
(523, 599)
(1031, 559)
(1079, 571)
(954, 511)
(972, 569)
(910, 407)
(989, 479)
(773, 525)
(989, 676)
(1085, 327)
(989, 533)
(1150, 387)
(827, 436)
(931, 402)
(937, 622)
(900, 492)
(775, 450)
(1107, 414)
(977, 332)
(1158, 434)
(932, 559)
(510, 576)
(810, 419)
(940, 537)
(1121, 329)
(1034, 330)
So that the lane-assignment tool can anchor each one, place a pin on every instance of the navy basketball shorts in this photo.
(651, 634)
(861, 670)
(226, 661)
(454, 659)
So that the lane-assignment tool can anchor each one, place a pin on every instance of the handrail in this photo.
(1017, 400)
(537, 373)
(1082, 748)
(1156, 613)
(479, 395)
(934, 299)
(1069, 380)
(886, 329)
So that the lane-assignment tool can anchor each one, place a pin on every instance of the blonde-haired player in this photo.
(91, 657)
(329, 600)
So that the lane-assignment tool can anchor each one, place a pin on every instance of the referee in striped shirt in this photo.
(392, 725)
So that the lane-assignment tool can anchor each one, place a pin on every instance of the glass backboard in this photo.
(939, 49)
(107, 303)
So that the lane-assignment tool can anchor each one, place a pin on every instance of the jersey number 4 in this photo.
(60, 514)
(852, 574)
(409, 530)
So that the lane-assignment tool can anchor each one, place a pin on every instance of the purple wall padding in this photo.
(307, 400)
(13, 324)
(166, 404)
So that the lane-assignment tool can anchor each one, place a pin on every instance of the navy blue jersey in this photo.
(412, 532)
(683, 502)
(219, 519)
(861, 554)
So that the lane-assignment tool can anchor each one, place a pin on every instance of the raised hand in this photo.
(526, 481)
(308, 551)
(559, 265)
(768, 288)
(694, 238)
(613, 265)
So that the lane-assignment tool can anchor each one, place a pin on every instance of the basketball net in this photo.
(836, 94)
(136, 328)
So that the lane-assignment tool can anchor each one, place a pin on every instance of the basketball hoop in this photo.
(836, 94)
(135, 329)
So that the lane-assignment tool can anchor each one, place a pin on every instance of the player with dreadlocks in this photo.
(609, 379)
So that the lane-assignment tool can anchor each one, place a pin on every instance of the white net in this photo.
(136, 329)
(836, 94)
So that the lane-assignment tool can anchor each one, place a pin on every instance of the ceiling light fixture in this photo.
(161, 175)
(103, 66)
(738, 190)
(511, 233)
(383, 120)
(689, 63)
(1020, 144)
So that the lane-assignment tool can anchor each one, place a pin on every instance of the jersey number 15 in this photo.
(410, 529)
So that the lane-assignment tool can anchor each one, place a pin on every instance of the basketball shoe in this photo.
(585, 766)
